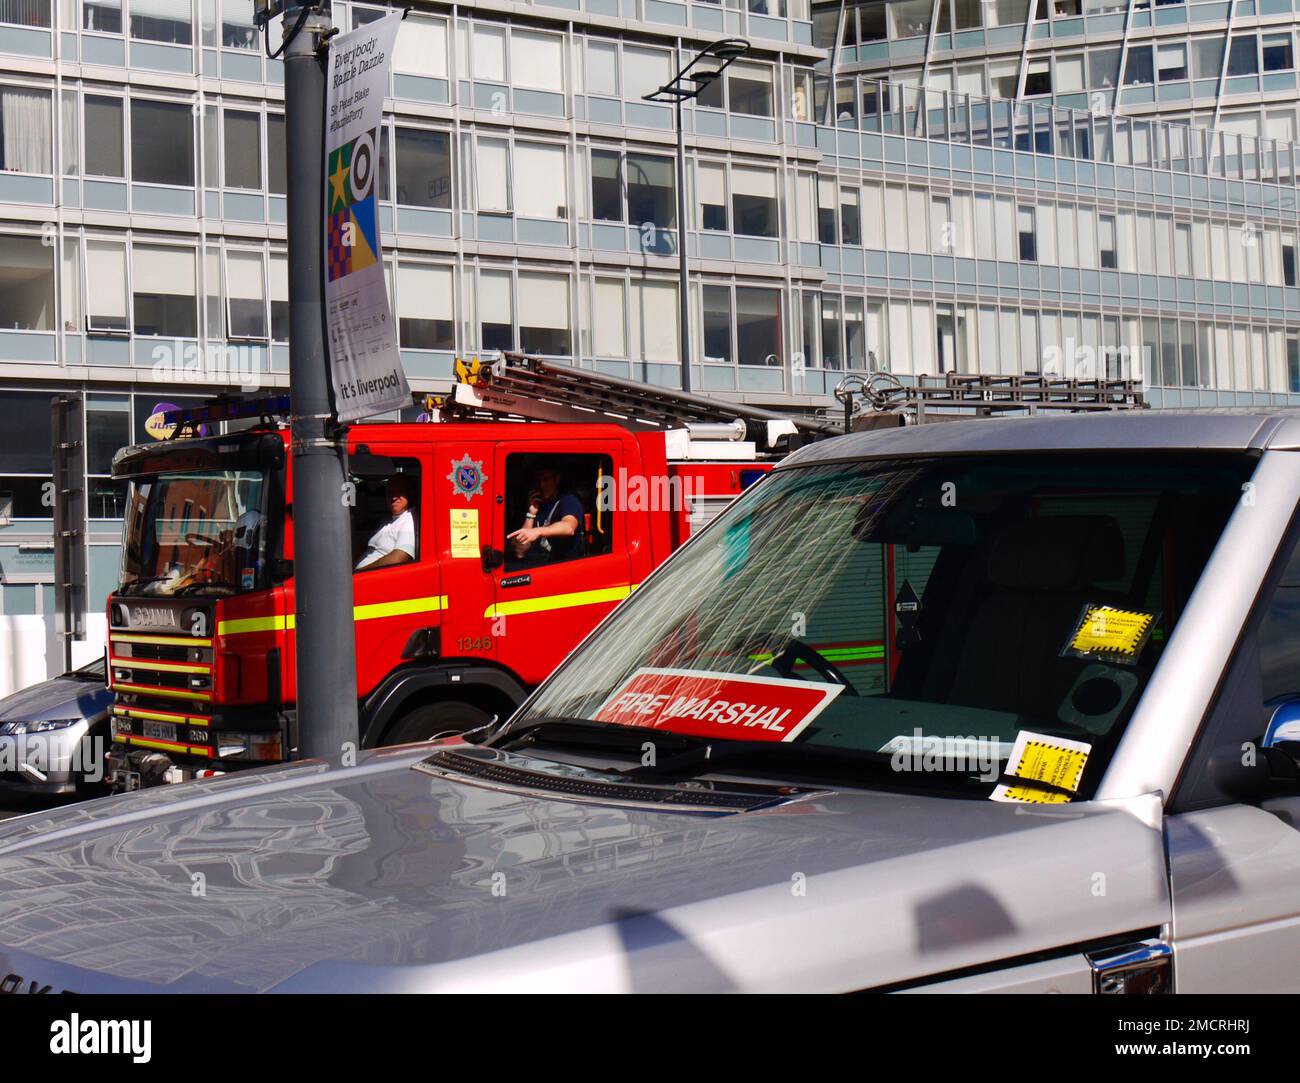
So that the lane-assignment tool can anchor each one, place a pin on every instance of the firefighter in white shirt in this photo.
(394, 542)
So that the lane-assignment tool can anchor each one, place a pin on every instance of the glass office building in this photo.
(1081, 188)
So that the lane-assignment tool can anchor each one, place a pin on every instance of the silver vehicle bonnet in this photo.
(383, 877)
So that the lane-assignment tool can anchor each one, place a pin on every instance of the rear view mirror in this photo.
(915, 527)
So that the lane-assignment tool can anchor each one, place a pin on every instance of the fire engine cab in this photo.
(202, 625)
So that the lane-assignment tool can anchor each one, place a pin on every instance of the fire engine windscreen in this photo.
(195, 532)
(880, 607)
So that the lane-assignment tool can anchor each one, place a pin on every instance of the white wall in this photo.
(30, 652)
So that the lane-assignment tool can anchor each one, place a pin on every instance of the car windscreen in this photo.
(195, 532)
(91, 671)
(941, 606)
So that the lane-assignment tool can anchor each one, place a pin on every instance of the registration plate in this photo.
(159, 731)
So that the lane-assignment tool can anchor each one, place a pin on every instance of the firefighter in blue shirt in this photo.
(551, 532)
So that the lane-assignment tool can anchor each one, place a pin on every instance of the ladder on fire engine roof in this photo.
(882, 399)
(521, 386)
(516, 385)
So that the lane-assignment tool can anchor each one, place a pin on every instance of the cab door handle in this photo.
(492, 558)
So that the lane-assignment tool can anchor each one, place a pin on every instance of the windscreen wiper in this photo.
(714, 754)
(585, 731)
(721, 755)
(206, 585)
(705, 755)
(128, 588)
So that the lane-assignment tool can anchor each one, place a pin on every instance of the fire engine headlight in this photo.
(252, 747)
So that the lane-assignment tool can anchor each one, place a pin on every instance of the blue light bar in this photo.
(227, 410)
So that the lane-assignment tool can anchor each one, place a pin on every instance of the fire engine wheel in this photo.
(431, 719)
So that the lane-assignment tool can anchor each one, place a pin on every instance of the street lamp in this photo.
(325, 644)
(266, 10)
(687, 85)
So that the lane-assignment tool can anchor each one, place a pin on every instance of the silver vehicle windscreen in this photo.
(966, 599)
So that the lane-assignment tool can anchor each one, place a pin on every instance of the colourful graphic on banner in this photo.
(352, 240)
(365, 362)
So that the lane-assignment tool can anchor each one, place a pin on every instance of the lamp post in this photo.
(325, 641)
(687, 85)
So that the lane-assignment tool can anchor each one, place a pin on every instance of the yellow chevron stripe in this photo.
(162, 693)
(832, 654)
(559, 601)
(276, 623)
(155, 716)
(166, 746)
(431, 604)
(162, 667)
(161, 641)
(279, 623)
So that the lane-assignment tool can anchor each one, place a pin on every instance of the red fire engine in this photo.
(201, 627)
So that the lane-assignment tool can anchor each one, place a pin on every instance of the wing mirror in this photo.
(1269, 766)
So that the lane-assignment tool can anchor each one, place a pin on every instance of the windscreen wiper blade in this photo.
(706, 755)
(722, 755)
(586, 731)
(128, 588)
(700, 761)
(214, 584)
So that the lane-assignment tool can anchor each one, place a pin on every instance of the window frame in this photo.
(257, 114)
(227, 298)
(195, 180)
(393, 172)
(124, 149)
(52, 150)
(195, 250)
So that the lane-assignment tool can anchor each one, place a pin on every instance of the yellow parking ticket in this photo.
(1058, 761)
(1113, 635)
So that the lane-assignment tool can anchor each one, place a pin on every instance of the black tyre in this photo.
(87, 789)
(431, 719)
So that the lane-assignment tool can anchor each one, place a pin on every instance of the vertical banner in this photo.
(365, 365)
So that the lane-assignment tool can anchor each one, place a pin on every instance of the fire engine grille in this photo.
(493, 773)
(158, 679)
(155, 653)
